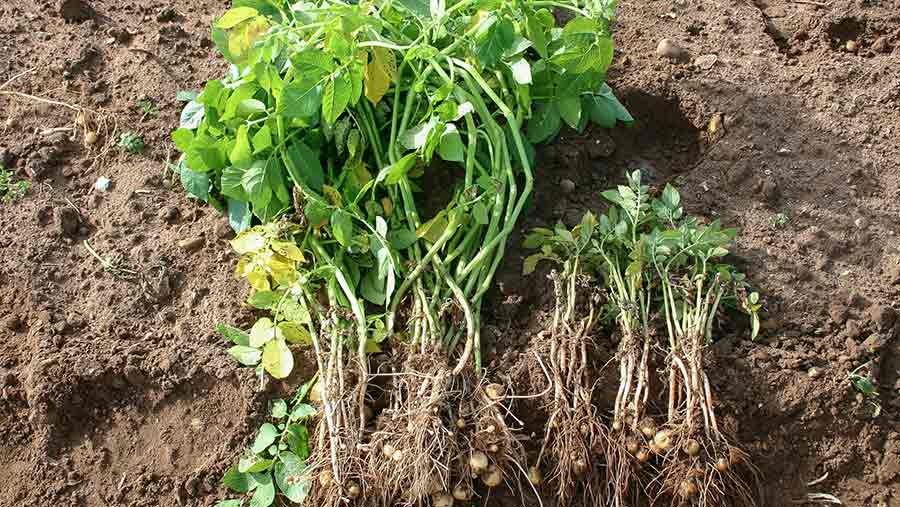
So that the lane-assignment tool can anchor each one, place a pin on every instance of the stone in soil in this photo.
(67, 221)
(74, 10)
(667, 48)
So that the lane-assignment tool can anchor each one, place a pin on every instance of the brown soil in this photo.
(114, 389)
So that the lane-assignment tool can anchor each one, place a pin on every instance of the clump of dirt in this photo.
(115, 390)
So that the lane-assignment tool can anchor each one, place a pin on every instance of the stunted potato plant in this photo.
(326, 130)
(575, 440)
(659, 264)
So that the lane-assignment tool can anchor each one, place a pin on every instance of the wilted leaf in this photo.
(277, 359)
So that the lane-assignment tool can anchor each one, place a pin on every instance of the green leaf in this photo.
(304, 166)
(229, 503)
(236, 481)
(451, 148)
(336, 97)
(291, 477)
(262, 332)
(186, 95)
(194, 183)
(279, 409)
(493, 39)
(183, 138)
(265, 492)
(235, 16)
(600, 111)
(531, 262)
(372, 289)
(262, 299)
(254, 183)
(192, 115)
(521, 71)
(619, 110)
(247, 356)
(537, 35)
(232, 184)
(262, 140)
(277, 359)
(401, 238)
(238, 215)
(570, 110)
(545, 123)
(297, 438)
(264, 438)
(392, 174)
(242, 154)
(300, 100)
(416, 137)
(301, 412)
(253, 463)
(249, 107)
(342, 227)
(233, 334)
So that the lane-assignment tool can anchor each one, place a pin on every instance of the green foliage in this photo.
(327, 118)
(10, 189)
(148, 107)
(780, 219)
(653, 255)
(865, 385)
(276, 461)
(131, 142)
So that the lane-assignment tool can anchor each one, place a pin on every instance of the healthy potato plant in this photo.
(328, 131)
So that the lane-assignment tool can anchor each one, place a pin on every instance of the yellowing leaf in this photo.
(380, 72)
(388, 205)
(235, 16)
(372, 346)
(277, 359)
(262, 332)
(258, 279)
(332, 195)
(242, 266)
(293, 332)
(433, 229)
(248, 241)
(289, 250)
(281, 269)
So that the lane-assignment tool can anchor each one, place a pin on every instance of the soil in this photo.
(115, 390)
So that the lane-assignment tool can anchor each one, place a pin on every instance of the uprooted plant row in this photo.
(318, 145)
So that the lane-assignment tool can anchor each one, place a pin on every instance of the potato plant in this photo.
(325, 131)
(275, 463)
(575, 440)
(658, 263)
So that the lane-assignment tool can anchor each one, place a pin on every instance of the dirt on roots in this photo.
(783, 121)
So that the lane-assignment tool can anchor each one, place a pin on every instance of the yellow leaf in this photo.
(388, 205)
(243, 36)
(258, 279)
(251, 240)
(289, 250)
(372, 347)
(379, 73)
(277, 359)
(281, 269)
(262, 332)
(332, 195)
(241, 269)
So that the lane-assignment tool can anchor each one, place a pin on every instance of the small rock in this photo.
(191, 244)
(882, 316)
(74, 10)
(567, 186)
(223, 230)
(6, 157)
(852, 46)
(814, 373)
(169, 214)
(67, 221)
(784, 152)
(167, 14)
(102, 184)
(12, 322)
(861, 223)
(706, 62)
(668, 48)
(881, 45)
